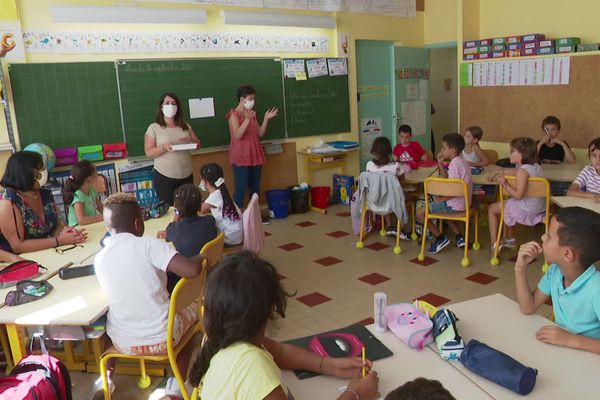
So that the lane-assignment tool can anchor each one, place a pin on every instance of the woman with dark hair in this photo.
(245, 152)
(28, 215)
(237, 361)
(171, 168)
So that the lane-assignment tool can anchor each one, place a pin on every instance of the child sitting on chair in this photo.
(131, 270)
(383, 161)
(408, 151)
(472, 153)
(587, 183)
(452, 147)
(189, 231)
(518, 209)
(572, 281)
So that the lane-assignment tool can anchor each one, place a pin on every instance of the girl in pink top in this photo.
(245, 152)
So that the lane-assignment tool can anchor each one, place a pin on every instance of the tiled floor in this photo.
(334, 282)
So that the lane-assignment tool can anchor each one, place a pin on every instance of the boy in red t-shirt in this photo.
(407, 151)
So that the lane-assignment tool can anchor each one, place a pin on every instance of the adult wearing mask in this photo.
(245, 152)
(171, 168)
(28, 214)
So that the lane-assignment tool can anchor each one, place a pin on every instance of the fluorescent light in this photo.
(128, 14)
(276, 19)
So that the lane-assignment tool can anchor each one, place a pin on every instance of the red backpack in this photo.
(37, 377)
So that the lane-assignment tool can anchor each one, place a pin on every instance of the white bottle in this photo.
(379, 304)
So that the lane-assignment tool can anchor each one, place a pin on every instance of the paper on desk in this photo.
(202, 107)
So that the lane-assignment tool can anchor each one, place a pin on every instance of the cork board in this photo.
(506, 112)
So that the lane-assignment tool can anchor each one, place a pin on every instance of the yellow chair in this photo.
(186, 292)
(536, 187)
(451, 188)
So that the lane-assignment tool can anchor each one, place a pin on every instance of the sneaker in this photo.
(97, 391)
(460, 241)
(172, 388)
(510, 243)
(391, 231)
(439, 244)
(404, 236)
(265, 220)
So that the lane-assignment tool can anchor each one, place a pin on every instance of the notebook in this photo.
(345, 342)
(185, 146)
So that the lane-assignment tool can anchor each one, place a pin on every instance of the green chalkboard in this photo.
(143, 82)
(317, 106)
(66, 104)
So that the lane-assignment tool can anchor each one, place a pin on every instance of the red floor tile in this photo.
(481, 278)
(366, 321)
(291, 246)
(268, 234)
(305, 224)
(343, 214)
(327, 261)
(374, 278)
(426, 262)
(377, 246)
(313, 299)
(337, 234)
(434, 299)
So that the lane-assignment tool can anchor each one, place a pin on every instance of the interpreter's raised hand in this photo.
(271, 113)
(249, 114)
(527, 253)
(366, 388)
(344, 367)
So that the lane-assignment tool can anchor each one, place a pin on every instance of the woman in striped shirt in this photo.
(587, 183)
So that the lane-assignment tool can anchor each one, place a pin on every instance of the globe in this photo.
(46, 152)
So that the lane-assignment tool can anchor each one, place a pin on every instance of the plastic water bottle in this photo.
(379, 304)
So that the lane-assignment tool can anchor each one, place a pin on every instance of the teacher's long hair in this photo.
(241, 295)
(160, 118)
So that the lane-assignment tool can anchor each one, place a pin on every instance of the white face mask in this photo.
(43, 179)
(202, 187)
(248, 104)
(169, 110)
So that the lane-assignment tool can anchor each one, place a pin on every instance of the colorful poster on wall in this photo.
(12, 47)
(292, 67)
(370, 129)
(337, 66)
(343, 43)
(317, 67)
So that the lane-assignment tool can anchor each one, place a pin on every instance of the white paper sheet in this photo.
(317, 67)
(328, 5)
(423, 89)
(202, 107)
(337, 66)
(412, 91)
(370, 129)
(288, 4)
(413, 114)
(291, 67)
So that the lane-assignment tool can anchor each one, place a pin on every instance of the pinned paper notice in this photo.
(300, 76)
(202, 107)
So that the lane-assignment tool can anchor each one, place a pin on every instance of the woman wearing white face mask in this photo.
(245, 152)
(171, 168)
(28, 215)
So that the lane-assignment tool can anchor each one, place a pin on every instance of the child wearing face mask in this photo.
(245, 152)
(171, 168)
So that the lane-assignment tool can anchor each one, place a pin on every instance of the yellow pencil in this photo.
(364, 369)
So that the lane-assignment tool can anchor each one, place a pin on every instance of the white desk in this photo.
(403, 366)
(496, 321)
(571, 201)
(553, 172)
(419, 175)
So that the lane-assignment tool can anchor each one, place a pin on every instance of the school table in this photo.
(497, 321)
(553, 172)
(405, 365)
(572, 201)
(419, 175)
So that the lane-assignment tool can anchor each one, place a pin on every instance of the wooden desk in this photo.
(553, 172)
(419, 175)
(496, 320)
(404, 365)
(571, 201)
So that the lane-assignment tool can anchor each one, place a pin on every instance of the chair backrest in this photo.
(188, 290)
(214, 249)
(446, 187)
(366, 179)
(491, 155)
(536, 187)
(254, 235)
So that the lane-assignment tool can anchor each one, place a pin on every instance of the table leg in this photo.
(16, 338)
(6, 348)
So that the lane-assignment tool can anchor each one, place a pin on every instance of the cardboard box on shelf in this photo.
(588, 47)
(531, 45)
(515, 53)
(498, 54)
(500, 40)
(565, 49)
(498, 47)
(483, 56)
(547, 43)
(471, 43)
(570, 41)
(546, 50)
(514, 46)
(529, 52)
(514, 39)
(470, 57)
(483, 49)
(485, 42)
(470, 50)
(534, 37)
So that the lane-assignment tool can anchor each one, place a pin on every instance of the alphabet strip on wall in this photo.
(130, 42)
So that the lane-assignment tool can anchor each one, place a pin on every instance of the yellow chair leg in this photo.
(495, 261)
(104, 376)
(421, 256)
(360, 244)
(397, 249)
(6, 348)
(476, 244)
(382, 231)
(144, 381)
(465, 261)
(413, 235)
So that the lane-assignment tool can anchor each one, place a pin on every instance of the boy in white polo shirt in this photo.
(572, 281)
(132, 272)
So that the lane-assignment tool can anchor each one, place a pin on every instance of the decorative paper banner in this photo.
(111, 42)
(11, 41)
(412, 73)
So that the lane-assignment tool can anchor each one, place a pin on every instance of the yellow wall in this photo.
(470, 19)
(555, 18)
(36, 16)
(440, 21)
